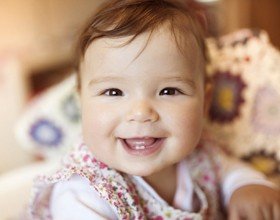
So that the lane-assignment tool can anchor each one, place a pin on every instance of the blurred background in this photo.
(36, 50)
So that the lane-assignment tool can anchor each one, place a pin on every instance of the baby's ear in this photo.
(208, 93)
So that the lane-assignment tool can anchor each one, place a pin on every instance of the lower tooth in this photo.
(140, 147)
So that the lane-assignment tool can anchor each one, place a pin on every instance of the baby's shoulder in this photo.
(78, 193)
(75, 183)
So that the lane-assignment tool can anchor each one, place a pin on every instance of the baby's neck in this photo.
(164, 183)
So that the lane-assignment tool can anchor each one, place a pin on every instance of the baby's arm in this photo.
(76, 199)
(246, 192)
(254, 202)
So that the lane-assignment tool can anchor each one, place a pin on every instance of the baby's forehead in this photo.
(157, 44)
(156, 54)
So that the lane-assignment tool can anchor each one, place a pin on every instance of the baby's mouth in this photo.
(140, 143)
(142, 146)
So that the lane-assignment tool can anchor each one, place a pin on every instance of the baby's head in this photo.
(141, 77)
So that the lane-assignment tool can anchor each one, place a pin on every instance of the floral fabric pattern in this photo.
(70, 109)
(124, 194)
(51, 123)
(264, 162)
(46, 133)
(227, 97)
(266, 111)
(245, 112)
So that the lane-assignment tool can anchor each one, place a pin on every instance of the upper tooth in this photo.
(136, 142)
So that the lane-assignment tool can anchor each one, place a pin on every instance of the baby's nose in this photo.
(142, 111)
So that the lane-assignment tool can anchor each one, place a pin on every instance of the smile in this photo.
(142, 146)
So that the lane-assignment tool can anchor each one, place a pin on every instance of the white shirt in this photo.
(76, 199)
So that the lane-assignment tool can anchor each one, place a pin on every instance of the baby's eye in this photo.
(112, 92)
(170, 91)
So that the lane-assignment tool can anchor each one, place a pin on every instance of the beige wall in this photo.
(13, 96)
(41, 32)
(34, 34)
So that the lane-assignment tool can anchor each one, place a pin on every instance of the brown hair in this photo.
(122, 18)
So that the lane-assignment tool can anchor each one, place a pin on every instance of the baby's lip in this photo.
(143, 146)
(140, 137)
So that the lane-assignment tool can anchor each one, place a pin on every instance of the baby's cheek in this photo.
(189, 115)
(91, 126)
(95, 138)
(190, 126)
(98, 123)
(191, 129)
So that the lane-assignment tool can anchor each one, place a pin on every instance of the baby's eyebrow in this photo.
(105, 79)
(182, 80)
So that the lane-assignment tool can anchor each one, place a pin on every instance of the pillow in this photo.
(51, 122)
(245, 110)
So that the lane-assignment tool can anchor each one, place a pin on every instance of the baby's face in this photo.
(141, 115)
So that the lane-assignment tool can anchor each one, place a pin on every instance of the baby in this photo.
(144, 95)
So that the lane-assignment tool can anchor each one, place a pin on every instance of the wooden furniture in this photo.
(262, 14)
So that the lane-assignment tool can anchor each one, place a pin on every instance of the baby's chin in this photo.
(134, 171)
(141, 170)
(142, 173)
